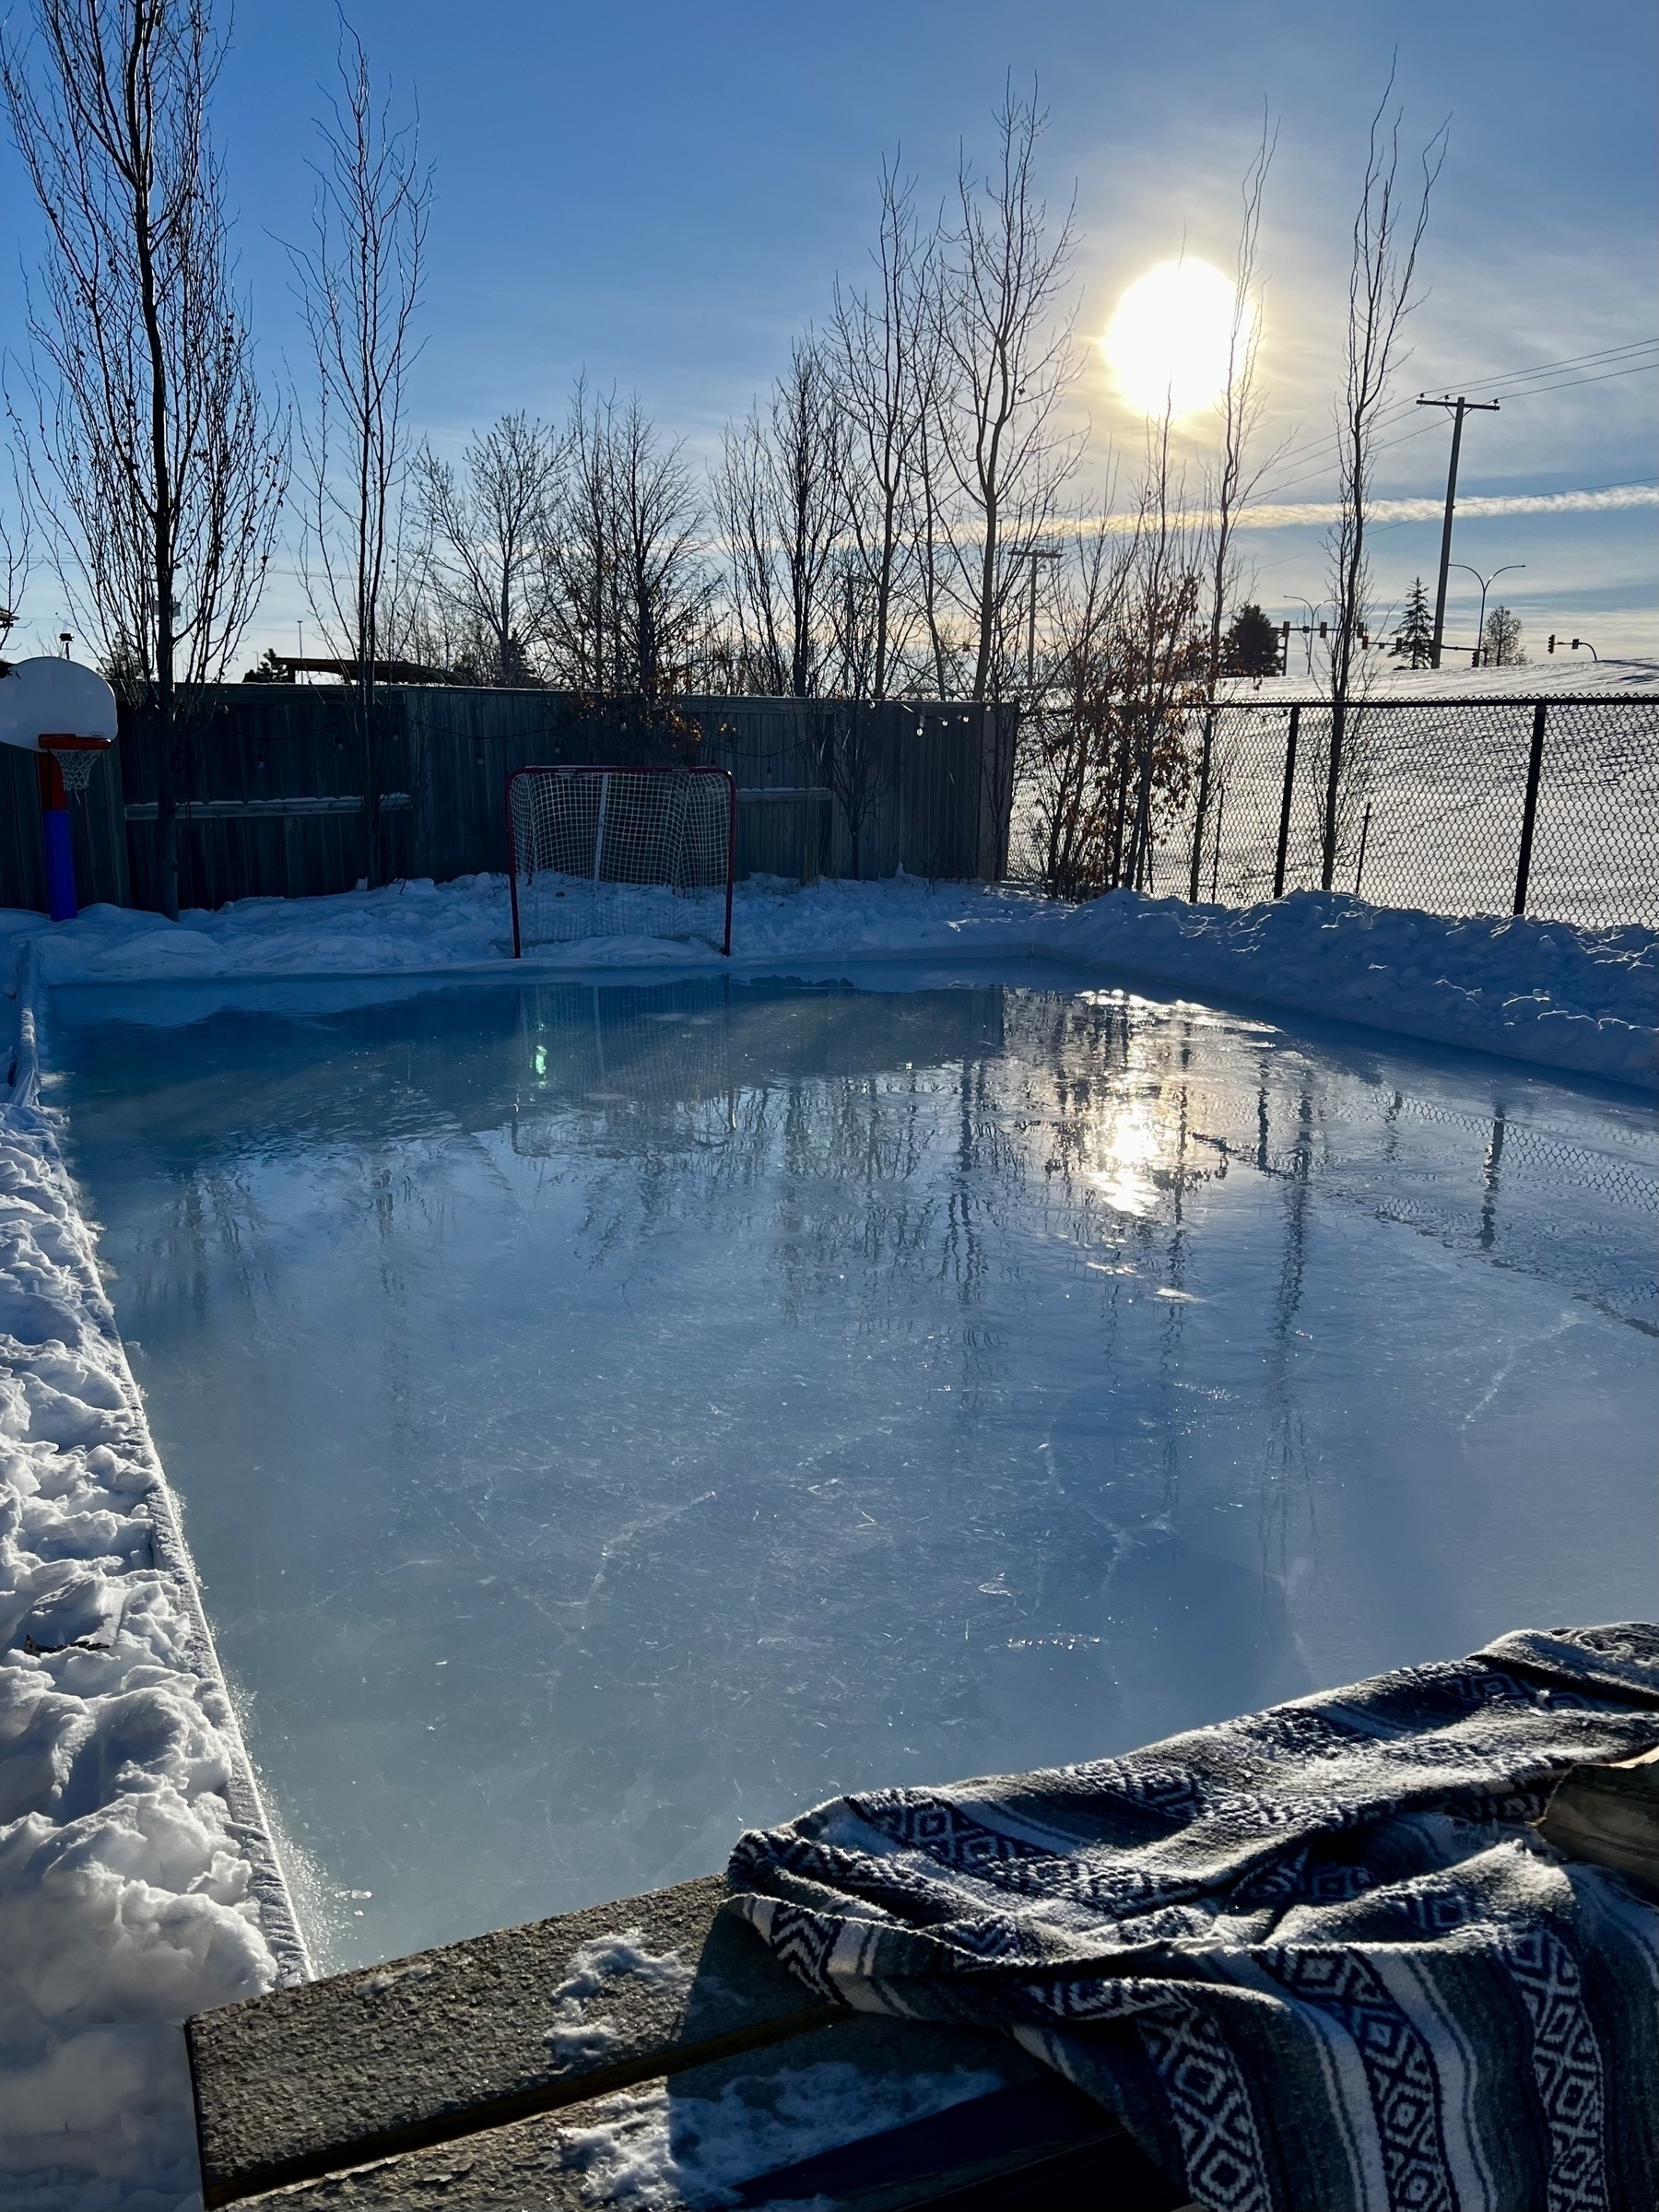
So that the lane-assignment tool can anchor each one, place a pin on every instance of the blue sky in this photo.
(663, 194)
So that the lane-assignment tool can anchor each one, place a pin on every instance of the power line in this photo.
(1567, 382)
(1401, 407)
(1404, 407)
(1574, 360)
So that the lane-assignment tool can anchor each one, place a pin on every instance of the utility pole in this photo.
(1033, 554)
(1460, 406)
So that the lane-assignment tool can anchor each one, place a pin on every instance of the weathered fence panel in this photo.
(274, 780)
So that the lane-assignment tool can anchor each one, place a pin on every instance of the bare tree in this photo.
(1239, 469)
(487, 523)
(665, 587)
(886, 343)
(1164, 652)
(1500, 640)
(1008, 360)
(1075, 773)
(629, 591)
(853, 764)
(1381, 293)
(580, 555)
(779, 494)
(359, 285)
(151, 453)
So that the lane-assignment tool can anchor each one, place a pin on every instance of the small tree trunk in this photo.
(167, 821)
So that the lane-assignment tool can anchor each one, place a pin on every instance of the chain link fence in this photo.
(1547, 808)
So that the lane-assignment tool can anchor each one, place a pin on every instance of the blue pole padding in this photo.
(60, 864)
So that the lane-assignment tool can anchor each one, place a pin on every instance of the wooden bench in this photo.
(472, 2078)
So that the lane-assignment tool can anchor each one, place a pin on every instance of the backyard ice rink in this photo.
(610, 1416)
(1170, 1350)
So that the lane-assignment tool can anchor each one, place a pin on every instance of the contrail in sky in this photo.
(1612, 499)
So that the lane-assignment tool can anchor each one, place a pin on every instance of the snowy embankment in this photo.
(1554, 994)
(136, 1880)
(1549, 992)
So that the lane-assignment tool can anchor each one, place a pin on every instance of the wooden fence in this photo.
(276, 783)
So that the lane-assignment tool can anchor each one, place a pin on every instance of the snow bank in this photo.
(136, 1881)
(1551, 993)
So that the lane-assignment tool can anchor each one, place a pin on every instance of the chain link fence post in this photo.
(1283, 828)
(1529, 811)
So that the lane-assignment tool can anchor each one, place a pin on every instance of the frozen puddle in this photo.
(611, 1416)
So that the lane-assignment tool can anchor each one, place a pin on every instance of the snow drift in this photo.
(1556, 993)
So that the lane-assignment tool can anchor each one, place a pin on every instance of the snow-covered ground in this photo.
(1555, 994)
(1563, 675)
(136, 1879)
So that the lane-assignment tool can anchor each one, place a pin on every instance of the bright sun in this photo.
(1168, 344)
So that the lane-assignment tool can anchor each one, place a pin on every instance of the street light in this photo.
(1308, 629)
(1486, 584)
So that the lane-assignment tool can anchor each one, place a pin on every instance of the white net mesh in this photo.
(74, 764)
(621, 853)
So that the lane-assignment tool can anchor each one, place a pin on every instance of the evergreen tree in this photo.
(1501, 641)
(270, 670)
(1414, 641)
(1251, 646)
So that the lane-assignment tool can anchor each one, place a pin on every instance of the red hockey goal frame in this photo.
(605, 871)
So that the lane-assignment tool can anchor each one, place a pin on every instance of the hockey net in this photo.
(621, 853)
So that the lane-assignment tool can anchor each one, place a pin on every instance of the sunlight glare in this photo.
(1169, 342)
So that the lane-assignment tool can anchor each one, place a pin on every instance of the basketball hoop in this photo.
(76, 758)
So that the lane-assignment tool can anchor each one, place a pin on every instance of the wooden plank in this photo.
(1026, 2123)
(331, 2073)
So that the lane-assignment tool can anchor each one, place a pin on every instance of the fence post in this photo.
(1204, 789)
(1529, 812)
(1284, 835)
(1339, 727)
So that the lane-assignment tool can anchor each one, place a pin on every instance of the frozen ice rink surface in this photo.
(611, 1415)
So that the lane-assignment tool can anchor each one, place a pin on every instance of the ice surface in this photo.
(611, 1415)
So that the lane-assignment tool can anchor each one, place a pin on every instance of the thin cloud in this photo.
(1317, 514)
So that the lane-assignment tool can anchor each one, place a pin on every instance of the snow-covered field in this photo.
(1565, 674)
(136, 1879)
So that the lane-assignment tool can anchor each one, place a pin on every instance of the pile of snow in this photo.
(1557, 994)
(1553, 993)
(137, 1882)
(426, 927)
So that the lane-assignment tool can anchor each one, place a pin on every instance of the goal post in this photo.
(598, 851)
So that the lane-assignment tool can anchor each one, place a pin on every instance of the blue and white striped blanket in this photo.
(1314, 1958)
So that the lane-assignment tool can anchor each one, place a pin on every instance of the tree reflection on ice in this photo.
(611, 1415)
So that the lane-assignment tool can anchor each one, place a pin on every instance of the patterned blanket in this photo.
(1314, 1958)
